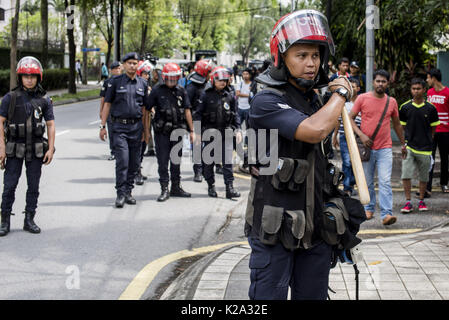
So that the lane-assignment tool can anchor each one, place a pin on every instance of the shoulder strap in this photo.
(381, 119)
(276, 91)
(12, 105)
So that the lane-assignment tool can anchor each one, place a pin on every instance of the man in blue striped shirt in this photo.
(339, 134)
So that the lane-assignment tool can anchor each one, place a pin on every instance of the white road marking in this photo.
(62, 132)
(94, 122)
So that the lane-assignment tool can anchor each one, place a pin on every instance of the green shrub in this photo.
(53, 79)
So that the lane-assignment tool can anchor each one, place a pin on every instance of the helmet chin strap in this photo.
(303, 83)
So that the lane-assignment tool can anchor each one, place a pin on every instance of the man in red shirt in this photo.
(438, 95)
(371, 106)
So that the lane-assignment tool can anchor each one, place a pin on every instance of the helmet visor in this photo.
(29, 65)
(304, 25)
(221, 74)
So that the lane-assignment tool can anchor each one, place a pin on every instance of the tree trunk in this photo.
(44, 24)
(85, 27)
(72, 48)
(13, 54)
(144, 38)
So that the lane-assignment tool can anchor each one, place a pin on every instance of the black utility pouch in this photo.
(167, 128)
(20, 150)
(21, 130)
(293, 228)
(283, 173)
(10, 149)
(39, 149)
(12, 130)
(334, 219)
(300, 174)
(39, 129)
(271, 223)
(212, 117)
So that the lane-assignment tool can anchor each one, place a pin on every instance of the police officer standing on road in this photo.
(285, 214)
(125, 100)
(24, 109)
(172, 111)
(116, 70)
(198, 80)
(217, 110)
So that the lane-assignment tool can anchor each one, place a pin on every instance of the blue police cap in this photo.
(115, 64)
(131, 55)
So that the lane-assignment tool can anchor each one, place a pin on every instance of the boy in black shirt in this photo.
(419, 118)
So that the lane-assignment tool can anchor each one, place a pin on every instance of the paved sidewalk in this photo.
(407, 267)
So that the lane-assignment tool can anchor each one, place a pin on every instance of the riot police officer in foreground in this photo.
(290, 229)
(125, 100)
(24, 109)
(198, 80)
(172, 111)
(217, 110)
(116, 69)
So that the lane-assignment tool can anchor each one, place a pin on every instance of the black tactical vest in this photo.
(287, 205)
(171, 111)
(217, 113)
(25, 134)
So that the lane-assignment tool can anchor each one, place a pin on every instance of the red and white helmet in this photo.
(144, 66)
(171, 71)
(30, 65)
(219, 73)
(203, 67)
(303, 26)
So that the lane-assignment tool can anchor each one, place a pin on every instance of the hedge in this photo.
(53, 79)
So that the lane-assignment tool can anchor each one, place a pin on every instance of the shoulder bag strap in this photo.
(12, 105)
(381, 119)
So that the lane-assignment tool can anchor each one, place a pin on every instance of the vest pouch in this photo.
(293, 229)
(300, 174)
(159, 125)
(212, 117)
(20, 150)
(168, 115)
(168, 126)
(283, 173)
(271, 223)
(10, 149)
(333, 224)
(21, 130)
(12, 130)
(39, 129)
(39, 149)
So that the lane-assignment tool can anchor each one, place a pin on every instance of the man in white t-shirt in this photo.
(243, 91)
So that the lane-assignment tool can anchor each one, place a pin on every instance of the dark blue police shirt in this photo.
(127, 96)
(271, 111)
(161, 95)
(105, 86)
(25, 98)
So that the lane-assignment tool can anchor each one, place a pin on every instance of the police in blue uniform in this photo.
(24, 109)
(292, 233)
(125, 100)
(172, 111)
(217, 110)
(115, 71)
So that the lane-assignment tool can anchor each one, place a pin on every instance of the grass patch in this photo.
(80, 94)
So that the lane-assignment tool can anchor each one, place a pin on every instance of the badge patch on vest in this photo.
(226, 106)
(37, 113)
(179, 101)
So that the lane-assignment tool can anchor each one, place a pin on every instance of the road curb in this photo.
(185, 285)
(74, 100)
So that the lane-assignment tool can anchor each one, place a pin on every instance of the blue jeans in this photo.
(382, 160)
(349, 180)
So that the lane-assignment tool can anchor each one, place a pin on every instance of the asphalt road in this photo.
(88, 249)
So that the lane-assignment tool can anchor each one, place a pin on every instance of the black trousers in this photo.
(163, 148)
(274, 269)
(13, 171)
(440, 141)
(208, 168)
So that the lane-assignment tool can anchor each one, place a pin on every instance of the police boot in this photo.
(164, 193)
(198, 177)
(211, 190)
(120, 201)
(4, 227)
(231, 192)
(177, 191)
(28, 224)
(139, 178)
(129, 199)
